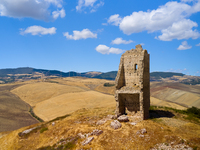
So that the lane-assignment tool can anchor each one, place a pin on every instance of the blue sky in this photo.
(91, 35)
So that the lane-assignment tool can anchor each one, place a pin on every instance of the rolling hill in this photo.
(14, 113)
(26, 73)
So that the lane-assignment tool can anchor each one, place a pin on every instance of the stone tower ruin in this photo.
(132, 83)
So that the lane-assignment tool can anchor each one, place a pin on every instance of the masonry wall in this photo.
(132, 82)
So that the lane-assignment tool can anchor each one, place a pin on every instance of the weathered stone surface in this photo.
(25, 132)
(123, 118)
(133, 123)
(115, 124)
(96, 132)
(132, 83)
(100, 122)
(143, 131)
(111, 116)
(87, 141)
(81, 135)
(169, 146)
(141, 135)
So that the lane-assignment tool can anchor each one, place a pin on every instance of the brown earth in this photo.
(178, 93)
(13, 111)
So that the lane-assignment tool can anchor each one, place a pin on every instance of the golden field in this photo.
(57, 97)
(70, 106)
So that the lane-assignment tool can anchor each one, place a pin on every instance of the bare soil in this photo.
(14, 113)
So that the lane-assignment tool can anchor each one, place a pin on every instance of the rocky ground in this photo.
(100, 129)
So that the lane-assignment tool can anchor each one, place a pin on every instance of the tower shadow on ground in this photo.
(160, 113)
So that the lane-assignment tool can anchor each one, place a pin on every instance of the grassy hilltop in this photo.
(165, 127)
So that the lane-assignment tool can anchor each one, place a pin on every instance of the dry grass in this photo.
(185, 95)
(70, 102)
(66, 95)
(157, 102)
(84, 121)
(37, 92)
(103, 89)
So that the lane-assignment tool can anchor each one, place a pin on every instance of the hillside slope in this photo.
(70, 102)
(186, 95)
(14, 113)
(168, 129)
(51, 100)
(34, 93)
(25, 73)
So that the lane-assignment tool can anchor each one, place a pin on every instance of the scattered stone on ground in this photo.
(87, 141)
(25, 132)
(135, 118)
(96, 132)
(112, 116)
(53, 123)
(81, 135)
(171, 146)
(115, 124)
(141, 135)
(100, 122)
(133, 123)
(123, 118)
(143, 131)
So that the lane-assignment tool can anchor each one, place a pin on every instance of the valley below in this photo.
(76, 104)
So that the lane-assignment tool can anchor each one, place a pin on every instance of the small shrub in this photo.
(195, 111)
(69, 145)
(33, 114)
(192, 114)
(43, 129)
(195, 148)
(46, 148)
(108, 85)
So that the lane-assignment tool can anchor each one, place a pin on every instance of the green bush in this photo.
(43, 129)
(193, 114)
(195, 111)
(69, 145)
(33, 114)
(108, 85)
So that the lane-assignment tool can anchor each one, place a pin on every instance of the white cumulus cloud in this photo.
(37, 9)
(38, 30)
(180, 30)
(93, 5)
(198, 44)
(121, 41)
(58, 13)
(77, 35)
(114, 19)
(103, 49)
(184, 45)
(166, 18)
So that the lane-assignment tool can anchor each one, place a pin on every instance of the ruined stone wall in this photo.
(146, 85)
(132, 82)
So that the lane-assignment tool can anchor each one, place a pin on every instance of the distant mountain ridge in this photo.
(27, 73)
